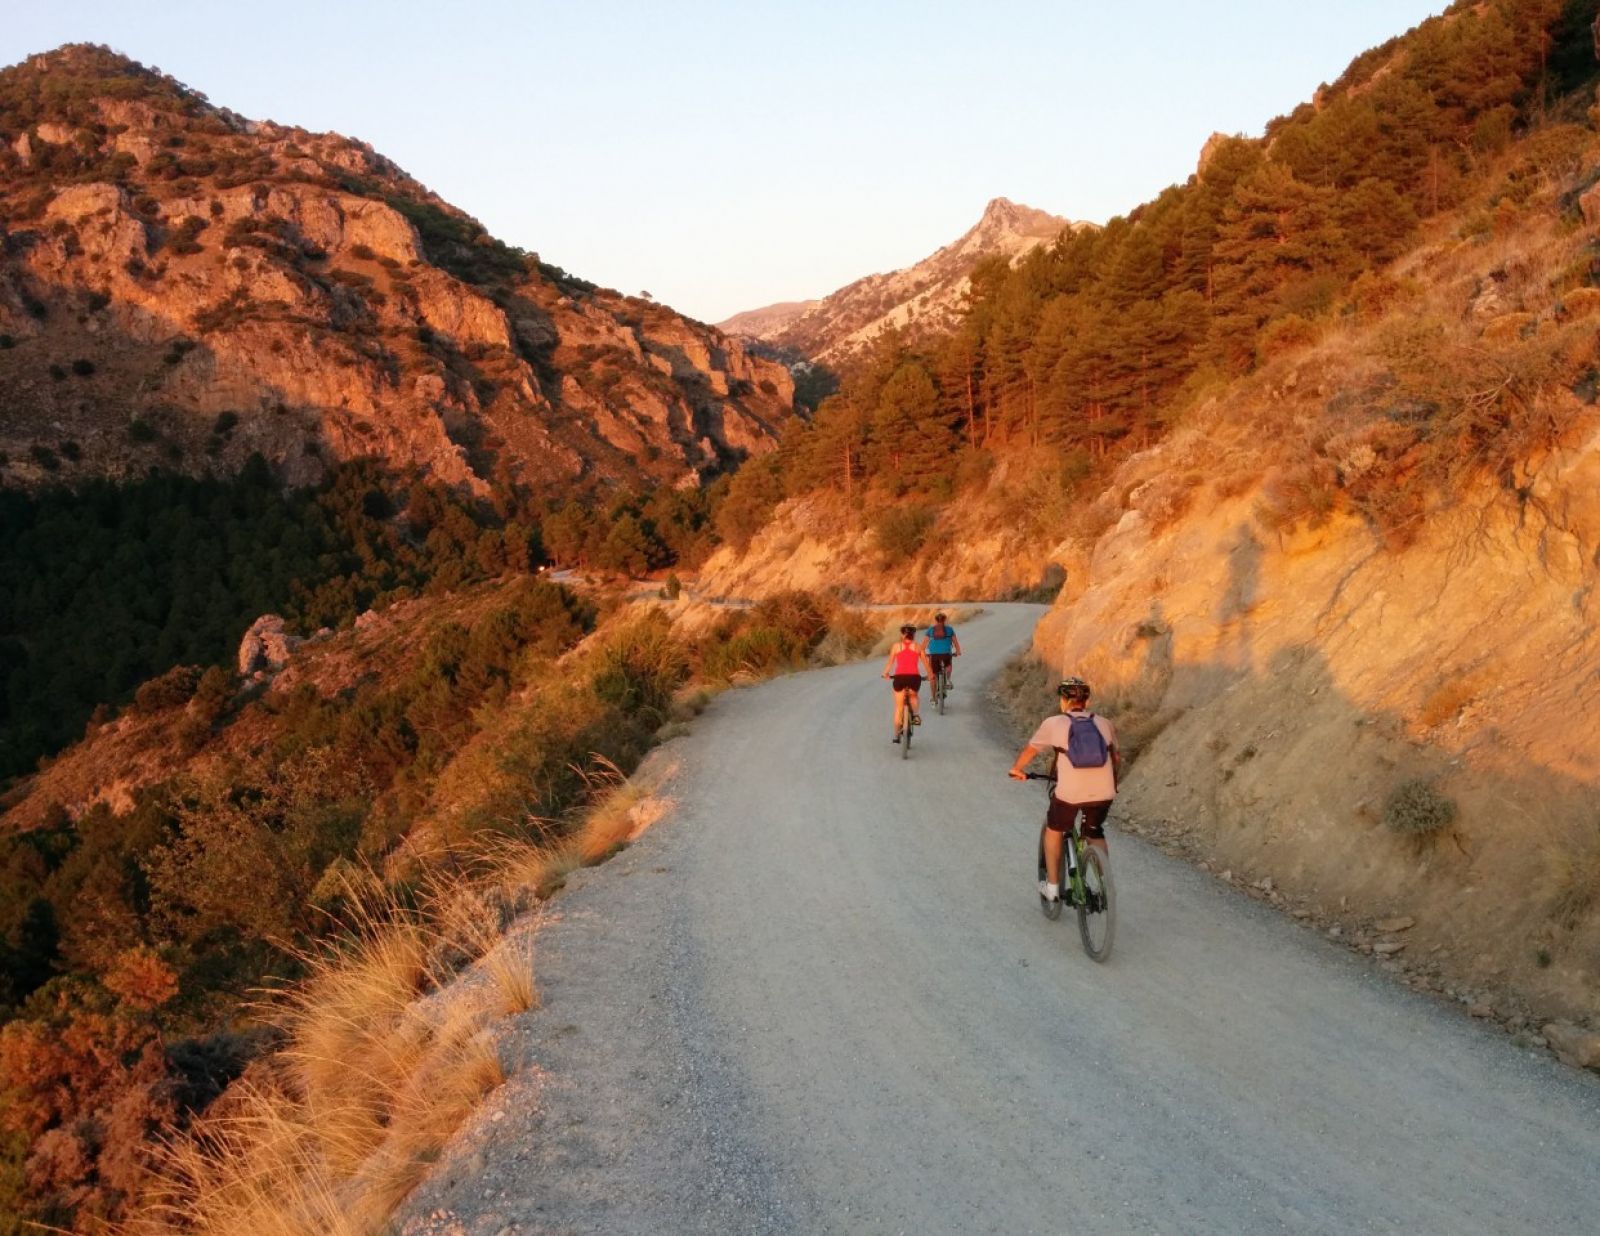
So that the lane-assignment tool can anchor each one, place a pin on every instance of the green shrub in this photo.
(758, 651)
(1416, 809)
(641, 667)
(901, 530)
(169, 690)
(801, 616)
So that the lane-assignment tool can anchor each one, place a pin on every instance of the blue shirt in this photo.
(938, 644)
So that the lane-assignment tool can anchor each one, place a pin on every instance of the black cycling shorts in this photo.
(908, 682)
(940, 661)
(1060, 817)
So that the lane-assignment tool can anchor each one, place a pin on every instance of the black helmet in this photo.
(938, 617)
(1073, 688)
(909, 631)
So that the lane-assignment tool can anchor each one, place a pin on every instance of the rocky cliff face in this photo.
(1288, 686)
(182, 287)
(922, 300)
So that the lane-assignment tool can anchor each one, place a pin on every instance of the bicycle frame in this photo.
(1071, 855)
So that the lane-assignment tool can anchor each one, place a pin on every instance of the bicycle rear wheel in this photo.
(1097, 910)
(941, 688)
(1050, 909)
(905, 732)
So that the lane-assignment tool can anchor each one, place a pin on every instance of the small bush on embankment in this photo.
(1416, 809)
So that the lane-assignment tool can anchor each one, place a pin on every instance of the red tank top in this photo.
(905, 661)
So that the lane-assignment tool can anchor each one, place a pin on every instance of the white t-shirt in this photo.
(1078, 785)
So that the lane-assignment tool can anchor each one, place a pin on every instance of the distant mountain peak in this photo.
(923, 299)
(1003, 211)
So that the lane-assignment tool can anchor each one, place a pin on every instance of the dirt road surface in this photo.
(820, 997)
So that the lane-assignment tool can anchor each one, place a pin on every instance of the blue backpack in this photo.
(1086, 745)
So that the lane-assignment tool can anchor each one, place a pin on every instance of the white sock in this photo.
(1051, 891)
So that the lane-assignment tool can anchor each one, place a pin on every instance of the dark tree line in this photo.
(109, 585)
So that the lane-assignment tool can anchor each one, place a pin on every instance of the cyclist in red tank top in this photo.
(906, 668)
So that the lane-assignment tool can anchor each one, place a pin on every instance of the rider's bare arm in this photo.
(955, 645)
(1019, 766)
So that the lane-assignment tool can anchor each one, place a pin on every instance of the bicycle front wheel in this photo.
(1097, 910)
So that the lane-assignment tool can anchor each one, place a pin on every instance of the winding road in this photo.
(820, 996)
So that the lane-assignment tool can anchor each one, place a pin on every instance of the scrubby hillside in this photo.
(1313, 441)
(240, 826)
(181, 287)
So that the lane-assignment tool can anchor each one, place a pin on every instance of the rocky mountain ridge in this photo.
(181, 287)
(922, 300)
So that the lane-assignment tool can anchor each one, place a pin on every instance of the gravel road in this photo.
(820, 996)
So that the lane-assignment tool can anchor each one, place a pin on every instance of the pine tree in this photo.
(911, 440)
(1276, 239)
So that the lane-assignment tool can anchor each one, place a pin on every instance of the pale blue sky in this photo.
(723, 156)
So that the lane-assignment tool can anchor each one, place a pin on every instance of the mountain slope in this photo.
(182, 287)
(921, 300)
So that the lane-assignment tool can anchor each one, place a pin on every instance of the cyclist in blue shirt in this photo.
(940, 646)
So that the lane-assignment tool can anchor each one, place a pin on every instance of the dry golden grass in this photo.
(1574, 879)
(385, 1057)
(510, 969)
(619, 815)
(386, 1054)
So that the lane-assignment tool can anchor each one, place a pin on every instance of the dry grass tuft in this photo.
(510, 969)
(618, 816)
(386, 1054)
(1575, 878)
(384, 1059)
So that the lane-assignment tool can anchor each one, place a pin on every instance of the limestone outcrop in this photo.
(180, 287)
(266, 646)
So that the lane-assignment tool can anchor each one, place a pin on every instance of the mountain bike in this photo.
(1086, 885)
(906, 723)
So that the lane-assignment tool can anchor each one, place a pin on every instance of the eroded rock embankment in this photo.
(1285, 689)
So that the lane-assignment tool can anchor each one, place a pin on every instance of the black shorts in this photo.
(1060, 818)
(908, 682)
(940, 661)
